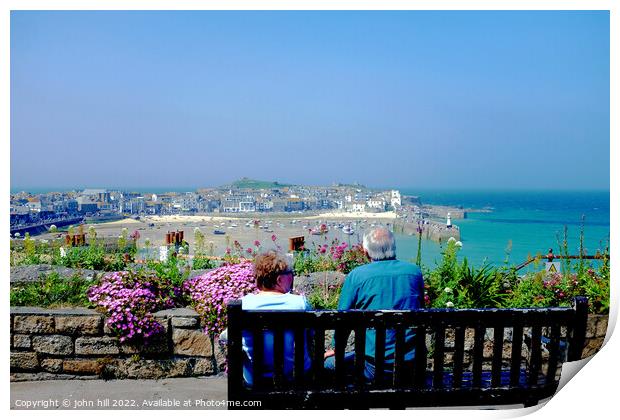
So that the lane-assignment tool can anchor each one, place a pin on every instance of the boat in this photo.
(348, 230)
(320, 230)
(219, 232)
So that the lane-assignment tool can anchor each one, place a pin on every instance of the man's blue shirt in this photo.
(387, 284)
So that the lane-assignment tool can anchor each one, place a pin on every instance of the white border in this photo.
(590, 394)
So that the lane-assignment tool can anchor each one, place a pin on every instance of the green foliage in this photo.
(52, 291)
(91, 257)
(170, 270)
(542, 289)
(202, 264)
(484, 287)
(324, 296)
(245, 183)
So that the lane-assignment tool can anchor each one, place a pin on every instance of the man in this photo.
(385, 283)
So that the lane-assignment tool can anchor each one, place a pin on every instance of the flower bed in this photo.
(210, 292)
(129, 300)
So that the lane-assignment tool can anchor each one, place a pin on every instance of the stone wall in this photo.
(75, 343)
(595, 334)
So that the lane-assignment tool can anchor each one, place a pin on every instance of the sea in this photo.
(518, 224)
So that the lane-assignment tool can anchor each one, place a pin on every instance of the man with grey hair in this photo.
(385, 283)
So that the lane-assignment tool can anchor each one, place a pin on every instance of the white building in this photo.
(376, 203)
(357, 207)
(395, 200)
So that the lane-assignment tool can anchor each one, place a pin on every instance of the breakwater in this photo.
(431, 230)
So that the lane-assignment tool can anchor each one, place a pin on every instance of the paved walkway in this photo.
(174, 393)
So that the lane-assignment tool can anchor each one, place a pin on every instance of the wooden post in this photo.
(235, 352)
(580, 305)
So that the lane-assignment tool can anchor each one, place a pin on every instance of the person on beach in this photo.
(385, 283)
(274, 279)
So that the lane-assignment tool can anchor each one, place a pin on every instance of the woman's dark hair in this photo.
(267, 267)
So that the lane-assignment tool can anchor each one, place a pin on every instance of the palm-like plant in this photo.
(481, 288)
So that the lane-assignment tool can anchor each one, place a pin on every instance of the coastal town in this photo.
(287, 209)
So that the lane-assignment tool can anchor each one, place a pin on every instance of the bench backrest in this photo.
(462, 357)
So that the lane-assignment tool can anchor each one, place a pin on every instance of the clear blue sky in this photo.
(409, 99)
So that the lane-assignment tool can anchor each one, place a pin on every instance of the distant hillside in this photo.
(256, 184)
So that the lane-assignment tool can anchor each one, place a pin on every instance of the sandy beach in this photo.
(241, 228)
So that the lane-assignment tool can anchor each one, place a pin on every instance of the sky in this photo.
(447, 100)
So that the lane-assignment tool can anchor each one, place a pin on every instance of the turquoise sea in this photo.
(530, 220)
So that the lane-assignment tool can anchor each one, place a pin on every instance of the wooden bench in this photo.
(471, 357)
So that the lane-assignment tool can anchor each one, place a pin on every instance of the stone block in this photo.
(191, 343)
(97, 345)
(592, 346)
(33, 324)
(183, 322)
(88, 325)
(156, 346)
(591, 326)
(84, 367)
(601, 327)
(180, 368)
(221, 352)
(203, 367)
(52, 365)
(22, 341)
(26, 361)
(143, 369)
(60, 345)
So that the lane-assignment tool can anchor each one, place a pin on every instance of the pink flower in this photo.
(273, 238)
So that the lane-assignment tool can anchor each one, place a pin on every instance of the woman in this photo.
(274, 279)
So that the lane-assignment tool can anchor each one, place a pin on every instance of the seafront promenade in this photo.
(173, 393)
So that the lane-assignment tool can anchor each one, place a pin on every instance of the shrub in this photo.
(129, 300)
(210, 292)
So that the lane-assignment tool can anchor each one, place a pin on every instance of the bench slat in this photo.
(379, 356)
(498, 347)
(554, 350)
(419, 378)
(360, 356)
(278, 358)
(340, 336)
(459, 346)
(400, 374)
(535, 358)
(477, 355)
(300, 349)
(515, 357)
(258, 363)
(330, 320)
(440, 337)
(318, 357)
